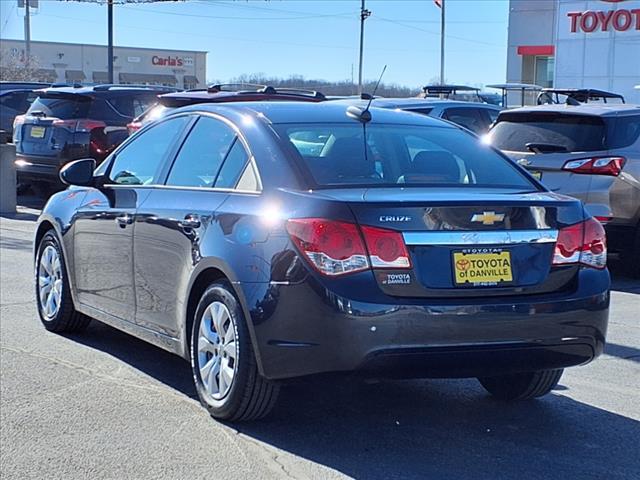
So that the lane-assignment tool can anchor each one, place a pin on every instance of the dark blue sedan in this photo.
(270, 241)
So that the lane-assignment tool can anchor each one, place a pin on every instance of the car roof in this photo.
(414, 102)
(176, 99)
(97, 89)
(312, 112)
(594, 109)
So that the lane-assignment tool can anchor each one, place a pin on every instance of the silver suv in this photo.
(591, 152)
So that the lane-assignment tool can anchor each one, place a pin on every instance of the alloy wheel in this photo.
(50, 282)
(217, 350)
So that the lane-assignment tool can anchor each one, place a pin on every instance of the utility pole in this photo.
(27, 33)
(442, 7)
(364, 14)
(110, 39)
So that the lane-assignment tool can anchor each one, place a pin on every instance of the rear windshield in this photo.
(61, 107)
(383, 155)
(571, 133)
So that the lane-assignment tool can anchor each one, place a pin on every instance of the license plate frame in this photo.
(37, 132)
(482, 267)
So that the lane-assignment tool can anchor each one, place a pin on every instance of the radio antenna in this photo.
(358, 113)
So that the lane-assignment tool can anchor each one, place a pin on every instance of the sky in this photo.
(315, 39)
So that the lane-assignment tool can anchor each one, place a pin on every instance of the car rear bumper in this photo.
(305, 329)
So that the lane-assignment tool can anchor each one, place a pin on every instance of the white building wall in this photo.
(608, 60)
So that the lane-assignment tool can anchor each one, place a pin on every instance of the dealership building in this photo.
(576, 44)
(84, 63)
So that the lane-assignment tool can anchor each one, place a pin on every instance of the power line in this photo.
(179, 14)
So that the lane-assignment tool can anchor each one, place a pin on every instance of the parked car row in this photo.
(591, 152)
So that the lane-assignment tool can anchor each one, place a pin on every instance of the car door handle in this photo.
(190, 221)
(124, 220)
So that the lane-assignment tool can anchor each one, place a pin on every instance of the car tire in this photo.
(223, 363)
(522, 386)
(53, 294)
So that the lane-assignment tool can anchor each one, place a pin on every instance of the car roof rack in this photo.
(122, 86)
(447, 91)
(576, 95)
(511, 87)
(252, 88)
(235, 87)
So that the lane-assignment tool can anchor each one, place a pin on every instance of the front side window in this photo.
(139, 162)
(385, 155)
(202, 154)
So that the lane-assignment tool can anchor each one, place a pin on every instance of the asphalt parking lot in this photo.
(105, 405)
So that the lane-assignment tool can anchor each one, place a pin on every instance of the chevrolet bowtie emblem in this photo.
(487, 218)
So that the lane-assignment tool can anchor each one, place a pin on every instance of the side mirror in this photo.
(78, 172)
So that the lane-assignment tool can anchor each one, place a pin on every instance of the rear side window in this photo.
(18, 101)
(132, 105)
(385, 155)
(202, 154)
(139, 162)
(624, 131)
(469, 118)
(63, 107)
(571, 133)
(233, 167)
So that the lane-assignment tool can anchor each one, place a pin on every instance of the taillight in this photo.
(17, 121)
(583, 243)
(596, 166)
(333, 248)
(386, 248)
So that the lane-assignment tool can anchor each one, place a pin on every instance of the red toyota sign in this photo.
(620, 20)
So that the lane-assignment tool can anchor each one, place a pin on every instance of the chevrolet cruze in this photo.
(272, 241)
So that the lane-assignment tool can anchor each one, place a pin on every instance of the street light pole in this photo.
(442, 7)
(27, 32)
(364, 13)
(110, 40)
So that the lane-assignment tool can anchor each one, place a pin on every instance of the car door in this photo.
(103, 229)
(177, 221)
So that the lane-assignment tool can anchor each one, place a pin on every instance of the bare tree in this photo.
(14, 67)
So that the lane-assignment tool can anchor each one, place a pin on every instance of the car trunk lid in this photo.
(503, 239)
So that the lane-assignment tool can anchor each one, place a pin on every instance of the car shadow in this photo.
(622, 351)
(165, 367)
(444, 429)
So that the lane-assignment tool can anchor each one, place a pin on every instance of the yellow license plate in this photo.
(482, 268)
(37, 132)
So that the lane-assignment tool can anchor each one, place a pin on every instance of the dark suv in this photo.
(67, 123)
(223, 93)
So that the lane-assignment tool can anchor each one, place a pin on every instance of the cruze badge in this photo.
(395, 218)
(487, 218)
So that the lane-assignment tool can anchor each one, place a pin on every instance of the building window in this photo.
(544, 69)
